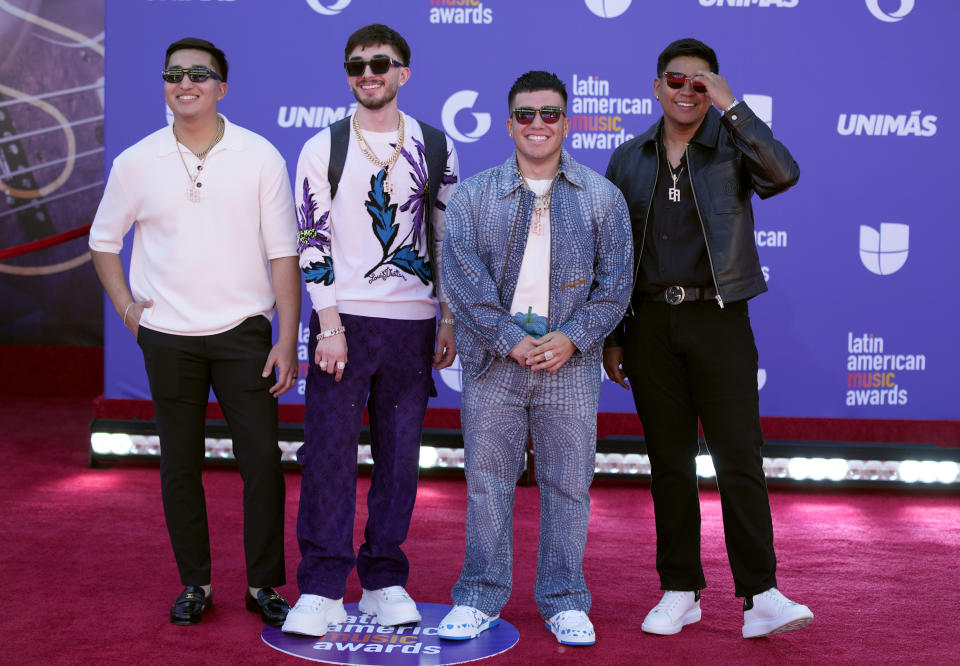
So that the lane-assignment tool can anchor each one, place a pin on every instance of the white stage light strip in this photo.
(822, 470)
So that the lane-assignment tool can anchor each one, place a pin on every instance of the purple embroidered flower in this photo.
(418, 199)
(311, 231)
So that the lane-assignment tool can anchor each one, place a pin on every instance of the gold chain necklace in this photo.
(541, 202)
(193, 190)
(370, 155)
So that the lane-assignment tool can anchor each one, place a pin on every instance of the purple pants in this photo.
(388, 369)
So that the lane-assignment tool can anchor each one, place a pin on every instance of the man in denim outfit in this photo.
(536, 268)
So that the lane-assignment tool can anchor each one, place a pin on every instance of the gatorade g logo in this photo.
(457, 102)
(906, 6)
(328, 9)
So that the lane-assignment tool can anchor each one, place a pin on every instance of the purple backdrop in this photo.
(858, 322)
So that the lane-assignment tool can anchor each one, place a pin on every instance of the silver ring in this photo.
(341, 365)
(547, 355)
(323, 365)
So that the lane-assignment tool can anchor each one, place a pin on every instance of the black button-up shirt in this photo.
(674, 250)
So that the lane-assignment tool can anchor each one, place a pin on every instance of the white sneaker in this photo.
(572, 627)
(773, 613)
(312, 615)
(675, 611)
(464, 622)
(392, 606)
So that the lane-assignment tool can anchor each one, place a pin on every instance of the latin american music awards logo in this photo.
(360, 640)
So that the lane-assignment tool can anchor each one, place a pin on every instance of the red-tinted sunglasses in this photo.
(548, 114)
(676, 80)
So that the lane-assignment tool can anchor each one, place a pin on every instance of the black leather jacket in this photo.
(730, 157)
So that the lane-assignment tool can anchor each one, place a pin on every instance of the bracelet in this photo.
(126, 311)
(330, 332)
(732, 104)
(448, 320)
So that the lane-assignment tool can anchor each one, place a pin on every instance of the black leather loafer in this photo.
(272, 607)
(189, 606)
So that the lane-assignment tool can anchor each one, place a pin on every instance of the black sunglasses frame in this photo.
(677, 80)
(379, 64)
(528, 114)
(197, 74)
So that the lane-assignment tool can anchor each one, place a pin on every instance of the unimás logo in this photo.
(884, 252)
(762, 105)
(460, 12)
(608, 8)
(328, 8)
(460, 101)
(904, 8)
(312, 116)
(880, 124)
(787, 4)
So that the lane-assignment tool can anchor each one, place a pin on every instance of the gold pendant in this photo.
(388, 187)
(193, 194)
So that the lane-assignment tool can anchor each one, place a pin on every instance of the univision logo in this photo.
(884, 252)
(762, 106)
(457, 102)
(906, 6)
(608, 8)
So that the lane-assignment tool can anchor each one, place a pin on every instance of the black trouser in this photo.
(689, 361)
(181, 370)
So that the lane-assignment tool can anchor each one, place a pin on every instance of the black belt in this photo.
(675, 295)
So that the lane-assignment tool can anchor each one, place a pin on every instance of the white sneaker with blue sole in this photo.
(572, 627)
(465, 622)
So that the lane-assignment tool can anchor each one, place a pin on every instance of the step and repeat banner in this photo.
(860, 320)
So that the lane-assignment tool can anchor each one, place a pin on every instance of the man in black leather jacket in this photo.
(686, 344)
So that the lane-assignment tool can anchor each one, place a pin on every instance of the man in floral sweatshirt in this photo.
(367, 244)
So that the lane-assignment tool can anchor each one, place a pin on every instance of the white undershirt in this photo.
(533, 285)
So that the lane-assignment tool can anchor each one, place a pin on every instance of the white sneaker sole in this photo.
(773, 627)
(386, 619)
(489, 624)
(691, 616)
(309, 626)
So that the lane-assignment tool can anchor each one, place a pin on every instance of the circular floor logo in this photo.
(906, 6)
(360, 640)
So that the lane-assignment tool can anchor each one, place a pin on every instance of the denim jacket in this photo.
(591, 257)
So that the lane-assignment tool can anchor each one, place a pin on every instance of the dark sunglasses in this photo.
(676, 80)
(197, 74)
(379, 64)
(548, 114)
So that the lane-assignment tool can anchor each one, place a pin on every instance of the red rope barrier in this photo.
(44, 243)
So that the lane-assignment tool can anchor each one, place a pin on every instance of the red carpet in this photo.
(89, 576)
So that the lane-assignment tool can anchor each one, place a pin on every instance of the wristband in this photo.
(732, 104)
(126, 311)
(330, 332)
(448, 320)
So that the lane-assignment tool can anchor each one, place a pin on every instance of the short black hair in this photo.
(196, 44)
(687, 46)
(537, 80)
(377, 33)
